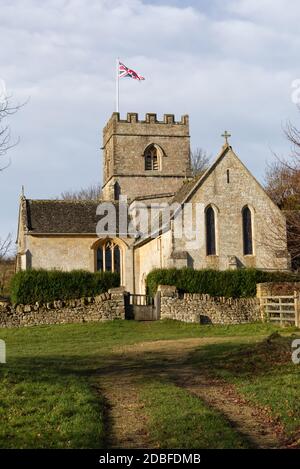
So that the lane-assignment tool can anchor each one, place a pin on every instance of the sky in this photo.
(229, 64)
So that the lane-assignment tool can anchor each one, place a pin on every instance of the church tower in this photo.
(146, 159)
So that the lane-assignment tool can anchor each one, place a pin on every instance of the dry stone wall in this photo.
(203, 309)
(105, 307)
(193, 308)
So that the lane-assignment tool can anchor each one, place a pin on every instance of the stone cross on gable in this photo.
(226, 135)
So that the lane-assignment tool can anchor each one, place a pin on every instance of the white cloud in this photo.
(284, 14)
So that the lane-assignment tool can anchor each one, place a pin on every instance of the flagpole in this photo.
(117, 85)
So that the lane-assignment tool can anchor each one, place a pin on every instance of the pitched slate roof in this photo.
(60, 216)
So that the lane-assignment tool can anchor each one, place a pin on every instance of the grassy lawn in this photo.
(263, 372)
(42, 409)
(180, 420)
(48, 399)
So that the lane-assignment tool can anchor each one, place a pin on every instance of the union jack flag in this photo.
(125, 72)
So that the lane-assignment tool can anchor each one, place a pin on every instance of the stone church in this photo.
(148, 162)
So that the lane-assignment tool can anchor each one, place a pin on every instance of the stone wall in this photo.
(199, 308)
(124, 143)
(107, 306)
(63, 253)
(228, 200)
(149, 256)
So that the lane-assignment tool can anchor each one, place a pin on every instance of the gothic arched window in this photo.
(247, 231)
(151, 159)
(109, 257)
(210, 231)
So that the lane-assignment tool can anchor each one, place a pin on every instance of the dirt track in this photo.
(126, 418)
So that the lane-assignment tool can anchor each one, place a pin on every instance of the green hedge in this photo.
(43, 286)
(229, 283)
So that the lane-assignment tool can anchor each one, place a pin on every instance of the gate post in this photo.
(297, 309)
(118, 295)
(157, 299)
(259, 295)
(128, 306)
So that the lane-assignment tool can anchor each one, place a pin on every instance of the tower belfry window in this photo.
(151, 159)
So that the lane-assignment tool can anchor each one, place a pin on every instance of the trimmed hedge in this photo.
(30, 286)
(240, 283)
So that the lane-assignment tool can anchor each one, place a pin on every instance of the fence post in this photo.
(280, 311)
(261, 302)
(157, 299)
(297, 309)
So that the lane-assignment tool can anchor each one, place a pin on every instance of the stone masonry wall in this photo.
(124, 143)
(228, 200)
(199, 308)
(107, 306)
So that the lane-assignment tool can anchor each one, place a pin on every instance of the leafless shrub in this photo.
(5, 262)
(282, 183)
(5, 247)
(199, 161)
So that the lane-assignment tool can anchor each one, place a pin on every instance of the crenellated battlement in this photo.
(150, 118)
(125, 142)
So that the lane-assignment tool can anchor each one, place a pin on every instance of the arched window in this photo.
(109, 257)
(151, 159)
(210, 231)
(117, 259)
(247, 231)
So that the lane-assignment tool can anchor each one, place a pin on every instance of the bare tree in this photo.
(282, 183)
(293, 135)
(5, 247)
(5, 261)
(199, 161)
(92, 192)
(7, 109)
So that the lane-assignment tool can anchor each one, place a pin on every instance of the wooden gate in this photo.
(283, 310)
(140, 308)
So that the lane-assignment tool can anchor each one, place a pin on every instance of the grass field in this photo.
(178, 419)
(263, 372)
(50, 388)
